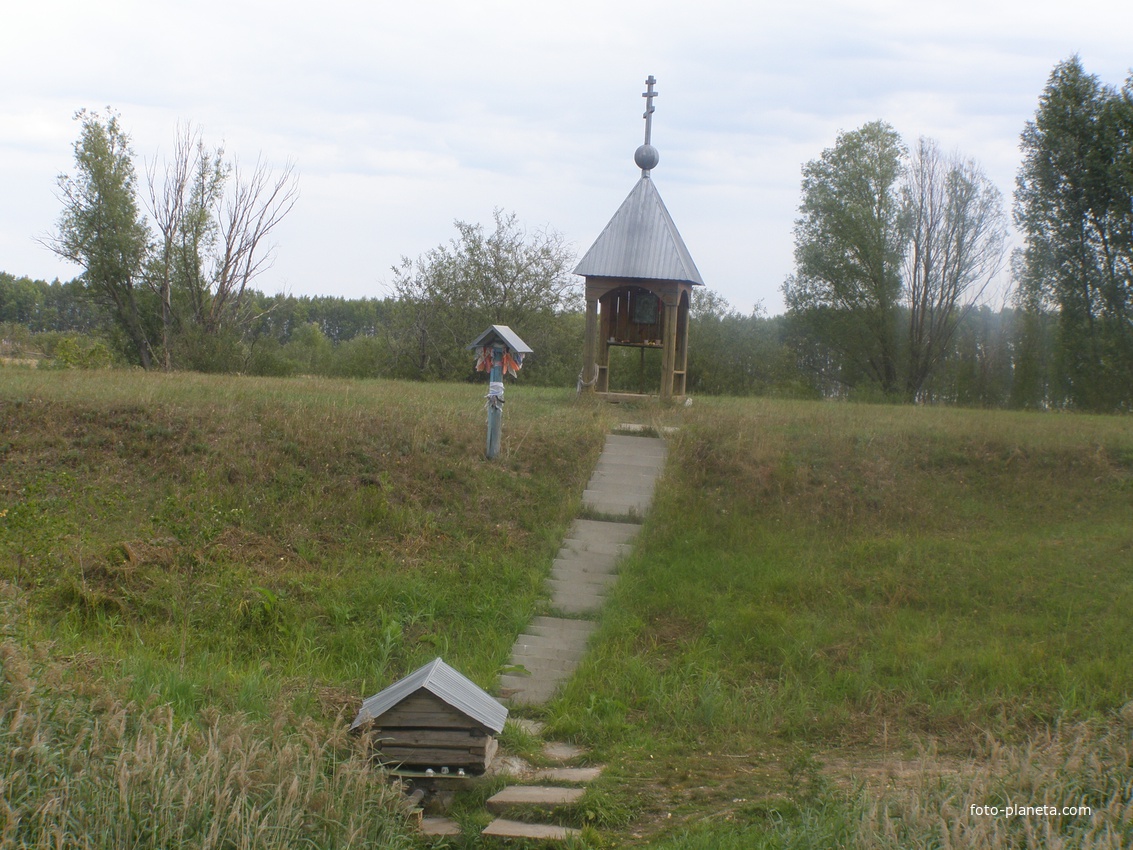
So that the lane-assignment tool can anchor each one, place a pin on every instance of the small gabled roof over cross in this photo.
(501, 334)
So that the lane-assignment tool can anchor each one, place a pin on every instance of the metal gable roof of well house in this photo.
(443, 682)
(641, 241)
(505, 334)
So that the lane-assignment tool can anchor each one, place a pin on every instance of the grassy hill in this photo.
(843, 624)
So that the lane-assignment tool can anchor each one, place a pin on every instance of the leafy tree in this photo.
(21, 299)
(102, 229)
(1074, 206)
(892, 249)
(733, 353)
(448, 295)
(848, 248)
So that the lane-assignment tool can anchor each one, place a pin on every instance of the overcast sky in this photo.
(402, 117)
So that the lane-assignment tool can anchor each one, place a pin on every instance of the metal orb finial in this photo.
(646, 157)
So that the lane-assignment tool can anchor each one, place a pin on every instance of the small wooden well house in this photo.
(434, 718)
(639, 279)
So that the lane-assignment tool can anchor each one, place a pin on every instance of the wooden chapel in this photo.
(639, 279)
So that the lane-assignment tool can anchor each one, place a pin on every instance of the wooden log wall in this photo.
(423, 731)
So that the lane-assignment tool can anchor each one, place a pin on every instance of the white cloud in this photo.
(401, 117)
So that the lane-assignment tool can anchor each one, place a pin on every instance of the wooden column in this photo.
(590, 346)
(669, 352)
(602, 355)
(680, 379)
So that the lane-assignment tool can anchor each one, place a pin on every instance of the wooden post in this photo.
(495, 402)
(495, 344)
(590, 347)
(669, 351)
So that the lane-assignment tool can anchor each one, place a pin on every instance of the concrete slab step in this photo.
(634, 447)
(604, 532)
(561, 668)
(600, 581)
(603, 506)
(561, 751)
(440, 827)
(632, 427)
(502, 828)
(578, 603)
(527, 690)
(531, 727)
(573, 547)
(630, 475)
(573, 642)
(614, 488)
(566, 589)
(626, 497)
(549, 651)
(628, 466)
(539, 796)
(586, 562)
(645, 445)
(528, 656)
(581, 775)
(545, 626)
(531, 657)
(600, 560)
(628, 448)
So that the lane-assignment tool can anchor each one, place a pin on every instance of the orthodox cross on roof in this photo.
(649, 107)
(647, 156)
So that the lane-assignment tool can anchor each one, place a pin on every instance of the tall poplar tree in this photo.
(848, 249)
(1074, 207)
(101, 228)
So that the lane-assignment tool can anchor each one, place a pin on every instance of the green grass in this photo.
(841, 624)
(861, 582)
(328, 530)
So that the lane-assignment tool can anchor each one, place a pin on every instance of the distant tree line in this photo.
(995, 358)
(896, 246)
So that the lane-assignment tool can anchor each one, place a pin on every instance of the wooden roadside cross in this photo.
(499, 350)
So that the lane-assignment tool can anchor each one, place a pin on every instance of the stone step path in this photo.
(528, 797)
(620, 492)
(622, 484)
(616, 499)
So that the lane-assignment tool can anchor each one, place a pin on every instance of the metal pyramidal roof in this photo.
(641, 241)
(443, 682)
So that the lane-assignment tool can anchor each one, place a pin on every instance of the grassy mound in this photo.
(829, 595)
(843, 624)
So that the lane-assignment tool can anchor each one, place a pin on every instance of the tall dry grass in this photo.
(1081, 773)
(80, 767)
(1078, 776)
